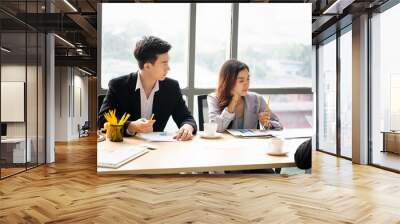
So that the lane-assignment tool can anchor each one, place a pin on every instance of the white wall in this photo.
(71, 102)
(61, 103)
(13, 73)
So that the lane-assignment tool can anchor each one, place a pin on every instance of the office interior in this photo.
(51, 80)
(45, 88)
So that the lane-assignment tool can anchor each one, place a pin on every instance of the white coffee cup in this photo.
(276, 145)
(210, 129)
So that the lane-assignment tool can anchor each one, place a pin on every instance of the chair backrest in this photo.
(86, 126)
(100, 99)
(3, 129)
(302, 156)
(203, 110)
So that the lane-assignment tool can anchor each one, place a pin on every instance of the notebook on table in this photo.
(119, 157)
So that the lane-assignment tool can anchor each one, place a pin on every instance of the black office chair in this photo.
(84, 129)
(203, 110)
(100, 99)
(302, 156)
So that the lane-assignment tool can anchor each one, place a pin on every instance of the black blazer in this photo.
(121, 95)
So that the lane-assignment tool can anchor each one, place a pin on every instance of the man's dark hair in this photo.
(147, 49)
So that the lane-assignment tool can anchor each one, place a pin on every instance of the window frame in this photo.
(334, 37)
(379, 10)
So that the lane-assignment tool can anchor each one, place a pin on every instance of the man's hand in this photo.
(141, 125)
(264, 117)
(184, 133)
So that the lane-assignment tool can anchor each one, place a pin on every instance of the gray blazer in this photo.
(254, 104)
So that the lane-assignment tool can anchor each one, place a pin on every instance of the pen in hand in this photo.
(267, 106)
(267, 110)
(151, 117)
(148, 120)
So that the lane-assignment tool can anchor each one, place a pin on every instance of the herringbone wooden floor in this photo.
(70, 191)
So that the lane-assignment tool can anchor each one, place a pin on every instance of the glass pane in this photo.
(276, 47)
(13, 85)
(123, 24)
(346, 94)
(32, 89)
(327, 97)
(212, 42)
(386, 88)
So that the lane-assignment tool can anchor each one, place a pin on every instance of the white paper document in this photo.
(117, 158)
(157, 136)
(285, 133)
(250, 133)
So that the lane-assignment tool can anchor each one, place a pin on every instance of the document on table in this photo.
(250, 133)
(117, 158)
(157, 136)
(286, 133)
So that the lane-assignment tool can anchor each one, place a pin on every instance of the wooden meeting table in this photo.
(201, 155)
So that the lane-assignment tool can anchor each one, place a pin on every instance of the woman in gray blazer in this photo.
(232, 106)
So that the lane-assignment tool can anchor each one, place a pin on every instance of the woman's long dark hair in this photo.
(227, 78)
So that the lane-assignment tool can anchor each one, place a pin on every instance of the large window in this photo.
(212, 42)
(346, 94)
(274, 45)
(385, 84)
(327, 96)
(123, 24)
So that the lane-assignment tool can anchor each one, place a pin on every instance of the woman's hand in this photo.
(233, 103)
(264, 118)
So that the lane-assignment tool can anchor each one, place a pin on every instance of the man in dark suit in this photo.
(148, 91)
